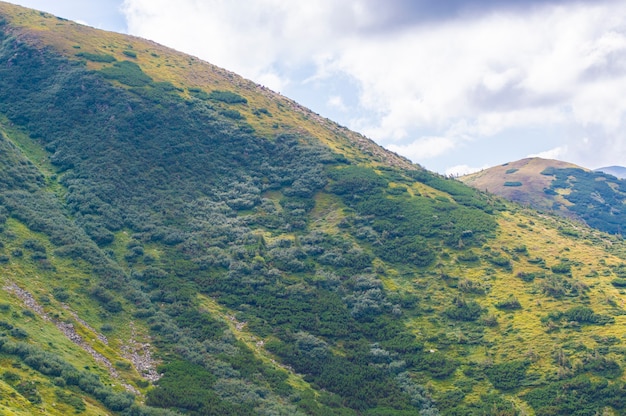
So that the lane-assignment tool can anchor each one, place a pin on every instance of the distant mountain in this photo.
(178, 240)
(594, 197)
(617, 171)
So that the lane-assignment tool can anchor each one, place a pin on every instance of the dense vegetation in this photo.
(269, 273)
(597, 198)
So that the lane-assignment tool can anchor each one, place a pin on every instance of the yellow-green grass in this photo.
(253, 342)
(165, 64)
(520, 334)
(75, 279)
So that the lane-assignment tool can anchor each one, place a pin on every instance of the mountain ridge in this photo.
(181, 70)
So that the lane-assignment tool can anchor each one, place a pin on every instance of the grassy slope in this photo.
(522, 237)
(187, 72)
(38, 312)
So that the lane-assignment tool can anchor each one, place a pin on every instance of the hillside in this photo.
(175, 239)
(617, 171)
(594, 197)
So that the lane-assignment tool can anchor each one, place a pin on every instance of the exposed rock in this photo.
(67, 329)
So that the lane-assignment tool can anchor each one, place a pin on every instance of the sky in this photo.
(456, 86)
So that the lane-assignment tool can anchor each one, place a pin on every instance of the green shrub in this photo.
(529, 276)
(508, 375)
(471, 286)
(468, 256)
(437, 364)
(462, 310)
(228, 97)
(577, 396)
(128, 73)
(509, 304)
(558, 286)
(585, 315)
(94, 57)
(60, 294)
(619, 282)
(232, 114)
(562, 268)
(580, 314)
(602, 366)
(501, 261)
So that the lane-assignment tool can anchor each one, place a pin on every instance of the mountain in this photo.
(594, 197)
(175, 239)
(617, 171)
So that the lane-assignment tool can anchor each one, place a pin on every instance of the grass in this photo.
(166, 65)
(520, 333)
(238, 329)
(70, 275)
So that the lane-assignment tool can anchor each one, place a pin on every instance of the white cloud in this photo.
(424, 148)
(262, 38)
(461, 170)
(336, 101)
(556, 153)
(493, 73)
(552, 64)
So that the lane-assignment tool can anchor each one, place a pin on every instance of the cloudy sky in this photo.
(454, 85)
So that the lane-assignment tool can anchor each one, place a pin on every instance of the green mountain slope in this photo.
(596, 198)
(178, 240)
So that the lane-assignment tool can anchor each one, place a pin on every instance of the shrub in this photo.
(559, 286)
(585, 315)
(410, 250)
(580, 396)
(128, 73)
(18, 333)
(470, 286)
(501, 261)
(529, 276)
(619, 282)
(34, 245)
(60, 294)
(602, 366)
(94, 57)
(468, 256)
(511, 303)
(580, 314)
(228, 97)
(507, 376)
(233, 114)
(438, 365)
(561, 268)
(462, 310)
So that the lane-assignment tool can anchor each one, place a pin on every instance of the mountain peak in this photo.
(520, 181)
(563, 188)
